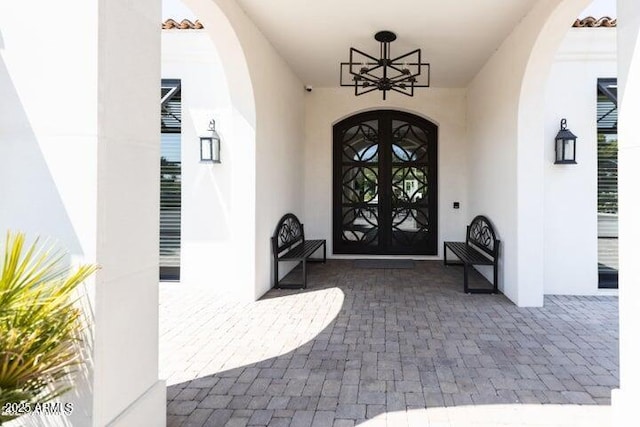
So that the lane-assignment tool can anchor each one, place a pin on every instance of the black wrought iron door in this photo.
(385, 184)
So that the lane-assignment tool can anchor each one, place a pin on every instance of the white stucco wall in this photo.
(266, 155)
(444, 107)
(570, 191)
(279, 151)
(80, 170)
(505, 127)
(214, 199)
(33, 113)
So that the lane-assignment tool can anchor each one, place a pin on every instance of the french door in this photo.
(385, 184)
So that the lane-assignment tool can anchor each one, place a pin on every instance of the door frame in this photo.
(384, 118)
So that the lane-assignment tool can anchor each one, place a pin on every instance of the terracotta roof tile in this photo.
(591, 22)
(588, 22)
(185, 24)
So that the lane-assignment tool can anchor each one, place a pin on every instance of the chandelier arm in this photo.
(349, 83)
(428, 74)
(405, 77)
(402, 80)
(413, 52)
(394, 66)
(418, 73)
(402, 75)
(369, 70)
(352, 63)
(404, 92)
(362, 92)
(353, 49)
(420, 66)
(370, 79)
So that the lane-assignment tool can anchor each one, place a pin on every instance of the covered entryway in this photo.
(385, 184)
(89, 200)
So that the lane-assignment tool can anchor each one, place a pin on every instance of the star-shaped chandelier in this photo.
(402, 74)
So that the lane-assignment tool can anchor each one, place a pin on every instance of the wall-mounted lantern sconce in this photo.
(565, 145)
(210, 145)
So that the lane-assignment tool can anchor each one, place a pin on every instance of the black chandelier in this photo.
(402, 74)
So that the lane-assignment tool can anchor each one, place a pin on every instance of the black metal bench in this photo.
(289, 244)
(480, 248)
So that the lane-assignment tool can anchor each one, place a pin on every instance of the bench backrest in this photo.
(289, 232)
(481, 235)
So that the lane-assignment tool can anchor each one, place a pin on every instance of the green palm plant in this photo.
(40, 324)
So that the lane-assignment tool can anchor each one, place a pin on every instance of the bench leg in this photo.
(304, 273)
(495, 277)
(466, 278)
(275, 273)
(444, 258)
(324, 253)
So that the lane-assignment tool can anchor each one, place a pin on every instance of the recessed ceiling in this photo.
(456, 37)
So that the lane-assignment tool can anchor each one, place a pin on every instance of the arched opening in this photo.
(385, 198)
(265, 150)
(506, 125)
(215, 83)
(530, 211)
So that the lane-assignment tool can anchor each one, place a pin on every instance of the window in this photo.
(607, 183)
(170, 180)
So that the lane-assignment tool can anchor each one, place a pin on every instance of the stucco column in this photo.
(79, 113)
(625, 399)
(127, 391)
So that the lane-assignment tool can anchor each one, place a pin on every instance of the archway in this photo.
(506, 125)
(530, 132)
(216, 84)
(530, 152)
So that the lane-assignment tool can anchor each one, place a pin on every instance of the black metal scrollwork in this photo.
(360, 225)
(481, 233)
(410, 144)
(360, 143)
(289, 231)
(360, 150)
(385, 192)
(359, 184)
(415, 193)
(410, 226)
(409, 184)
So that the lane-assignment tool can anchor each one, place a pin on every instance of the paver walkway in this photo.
(386, 347)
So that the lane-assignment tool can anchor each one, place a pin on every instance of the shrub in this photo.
(40, 324)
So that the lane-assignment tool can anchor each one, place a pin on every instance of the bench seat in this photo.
(467, 254)
(302, 251)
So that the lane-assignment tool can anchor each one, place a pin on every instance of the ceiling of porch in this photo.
(456, 37)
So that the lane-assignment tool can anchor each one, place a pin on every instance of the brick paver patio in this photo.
(386, 347)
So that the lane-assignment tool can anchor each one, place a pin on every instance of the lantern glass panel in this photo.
(206, 148)
(569, 150)
(215, 149)
(565, 150)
